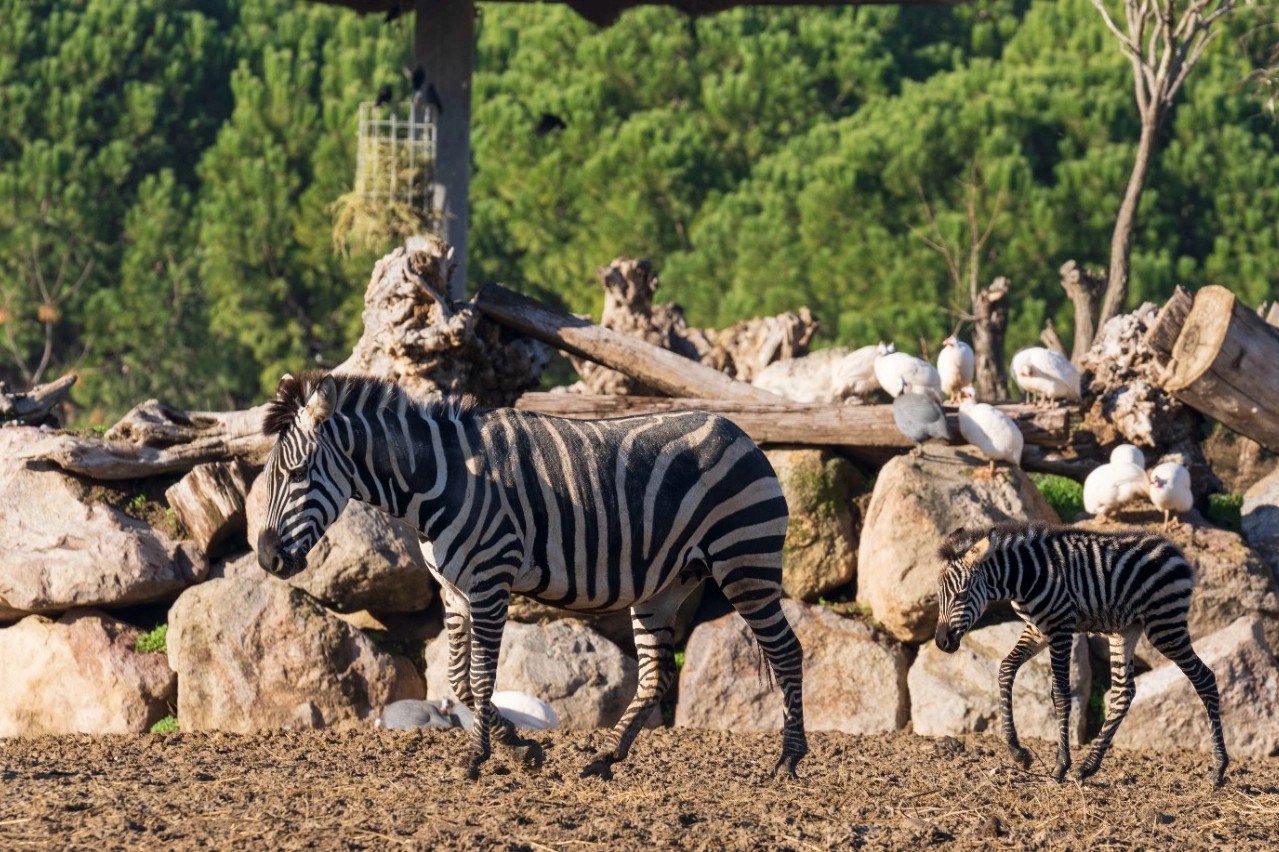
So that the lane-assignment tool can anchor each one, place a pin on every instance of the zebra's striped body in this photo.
(1064, 580)
(593, 516)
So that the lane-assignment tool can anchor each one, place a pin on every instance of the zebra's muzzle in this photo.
(275, 561)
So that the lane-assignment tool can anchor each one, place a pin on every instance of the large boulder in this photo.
(854, 676)
(257, 653)
(80, 674)
(1260, 518)
(1167, 713)
(958, 693)
(821, 543)
(917, 501)
(583, 676)
(366, 560)
(62, 548)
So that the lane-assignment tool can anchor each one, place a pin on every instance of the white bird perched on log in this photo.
(896, 370)
(1112, 486)
(1046, 374)
(956, 365)
(993, 433)
(1170, 490)
(919, 418)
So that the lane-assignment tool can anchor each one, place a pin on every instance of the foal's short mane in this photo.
(294, 390)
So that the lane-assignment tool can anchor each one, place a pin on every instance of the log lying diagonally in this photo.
(34, 406)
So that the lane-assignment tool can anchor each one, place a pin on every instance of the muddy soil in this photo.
(681, 789)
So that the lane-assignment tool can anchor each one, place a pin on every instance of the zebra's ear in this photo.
(320, 405)
(978, 551)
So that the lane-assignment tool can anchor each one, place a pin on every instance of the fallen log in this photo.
(650, 365)
(34, 407)
(1223, 365)
(155, 439)
(807, 423)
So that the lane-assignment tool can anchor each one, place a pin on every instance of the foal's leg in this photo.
(1030, 644)
(1059, 647)
(1173, 641)
(1122, 689)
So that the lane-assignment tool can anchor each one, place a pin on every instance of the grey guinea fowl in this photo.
(410, 713)
(919, 418)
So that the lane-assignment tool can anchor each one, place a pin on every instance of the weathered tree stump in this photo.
(36, 406)
(209, 501)
(1223, 364)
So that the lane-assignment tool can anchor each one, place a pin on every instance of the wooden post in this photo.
(1223, 364)
(651, 365)
(444, 45)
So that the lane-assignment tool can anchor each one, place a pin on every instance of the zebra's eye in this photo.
(297, 474)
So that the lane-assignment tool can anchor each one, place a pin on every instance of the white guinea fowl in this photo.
(956, 365)
(992, 432)
(1170, 489)
(1112, 486)
(1045, 374)
(896, 371)
(1130, 454)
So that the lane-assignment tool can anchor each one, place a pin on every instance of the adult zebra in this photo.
(1062, 580)
(593, 516)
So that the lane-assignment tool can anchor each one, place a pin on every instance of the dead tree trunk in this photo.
(1085, 290)
(990, 310)
(35, 407)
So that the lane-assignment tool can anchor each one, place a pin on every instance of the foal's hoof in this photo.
(473, 770)
(791, 762)
(1020, 756)
(530, 754)
(600, 767)
(1059, 774)
(1088, 769)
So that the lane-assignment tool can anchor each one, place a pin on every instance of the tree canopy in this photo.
(168, 170)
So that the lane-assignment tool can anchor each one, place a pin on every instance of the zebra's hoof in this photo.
(791, 762)
(600, 767)
(1087, 770)
(1021, 756)
(1059, 774)
(473, 771)
(1219, 776)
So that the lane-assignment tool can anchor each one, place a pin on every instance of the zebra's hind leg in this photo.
(1173, 641)
(1030, 644)
(653, 622)
(1060, 644)
(1118, 700)
(756, 594)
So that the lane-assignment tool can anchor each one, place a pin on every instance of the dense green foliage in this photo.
(167, 171)
(154, 641)
(1065, 495)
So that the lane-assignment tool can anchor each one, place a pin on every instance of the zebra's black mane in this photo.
(960, 541)
(293, 392)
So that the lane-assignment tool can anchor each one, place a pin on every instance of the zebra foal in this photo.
(1063, 580)
(593, 516)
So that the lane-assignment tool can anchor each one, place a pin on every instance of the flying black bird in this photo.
(417, 78)
(383, 95)
(393, 13)
(549, 122)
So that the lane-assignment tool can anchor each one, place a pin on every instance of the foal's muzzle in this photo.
(946, 638)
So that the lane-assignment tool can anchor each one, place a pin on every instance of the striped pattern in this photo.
(592, 516)
(1064, 580)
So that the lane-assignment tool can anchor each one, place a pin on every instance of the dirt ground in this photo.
(682, 789)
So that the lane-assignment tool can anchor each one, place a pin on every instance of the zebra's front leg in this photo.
(1122, 689)
(488, 619)
(653, 623)
(1060, 644)
(1030, 644)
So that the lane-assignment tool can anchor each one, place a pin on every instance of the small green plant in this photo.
(167, 725)
(137, 503)
(1065, 495)
(1226, 511)
(679, 659)
(153, 642)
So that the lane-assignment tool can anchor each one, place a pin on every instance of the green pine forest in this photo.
(168, 173)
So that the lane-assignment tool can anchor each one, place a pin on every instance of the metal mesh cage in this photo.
(396, 150)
